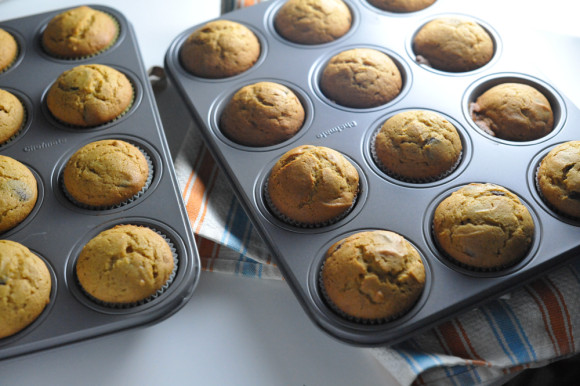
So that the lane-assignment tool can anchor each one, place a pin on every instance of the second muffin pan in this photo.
(57, 229)
(385, 202)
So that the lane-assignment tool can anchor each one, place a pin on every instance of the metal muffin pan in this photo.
(57, 229)
(385, 202)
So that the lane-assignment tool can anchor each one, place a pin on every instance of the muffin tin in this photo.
(57, 229)
(385, 202)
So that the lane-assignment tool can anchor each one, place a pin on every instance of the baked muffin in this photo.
(453, 44)
(375, 275)
(483, 226)
(90, 95)
(220, 49)
(262, 114)
(401, 6)
(361, 78)
(12, 116)
(313, 21)
(312, 185)
(417, 145)
(126, 264)
(79, 32)
(105, 173)
(8, 50)
(25, 286)
(514, 112)
(558, 178)
(18, 193)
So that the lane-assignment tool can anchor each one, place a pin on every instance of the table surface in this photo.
(234, 330)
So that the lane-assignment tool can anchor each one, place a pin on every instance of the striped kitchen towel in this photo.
(535, 325)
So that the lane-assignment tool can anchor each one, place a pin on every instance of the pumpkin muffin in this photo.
(79, 32)
(262, 114)
(401, 6)
(312, 186)
(484, 227)
(220, 49)
(8, 50)
(313, 21)
(18, 193)
(514, 112)
(106, 173)
(453, 44)
(417, 145)
(90, 95)
(12, 116)
(373, 275)
(25, 286)
(361, 78)
(126, 264)
(558, 179)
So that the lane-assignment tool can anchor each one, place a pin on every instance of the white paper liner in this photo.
(121, 204)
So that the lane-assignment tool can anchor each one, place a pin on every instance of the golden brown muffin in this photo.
(418, 145)
(373, 275)
(483, 226)
(401, 6)
(220, 49)
(25, 286)
(8, 50)
(18, 193)
(313, 21)
(513, 111)
(125, 264)
(79, 32)
(262, 114)
(312, 185)
(453, 44)
(12, 115)
(361, 78)
(105, 173)
(90, 95)
(558, 178)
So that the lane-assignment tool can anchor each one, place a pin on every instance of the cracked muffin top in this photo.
(25, 285)
(262, 114)
(90, 95)
(125, 264)
(313, 21)
(401, 6)
(375, 275)
(12, 115)
(361, 78)
(514, 112)
(79, 32)
(453, 44)
(8, 50)
(105, 173)
(312, 185)
(418, 145)
(483, 226)
(558, 178)
(18, 192)
(220, 49)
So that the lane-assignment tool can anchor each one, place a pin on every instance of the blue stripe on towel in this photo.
(516, 349)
